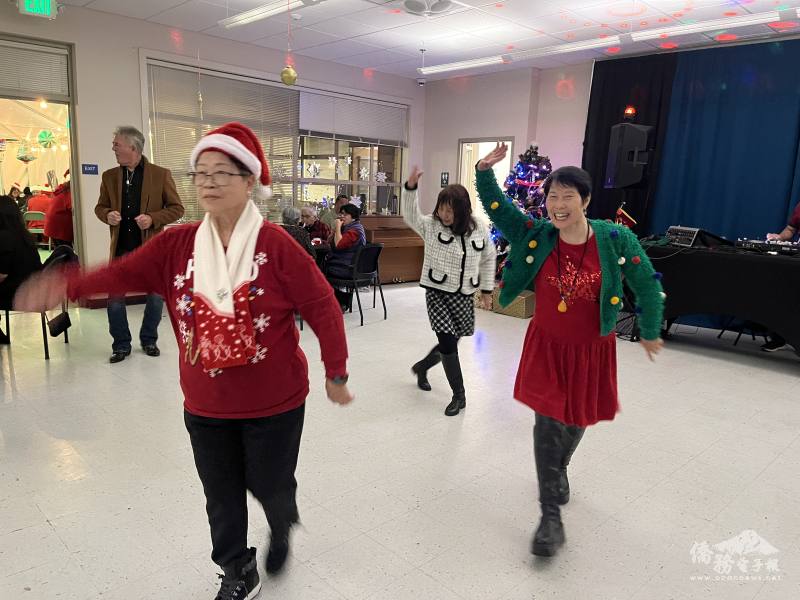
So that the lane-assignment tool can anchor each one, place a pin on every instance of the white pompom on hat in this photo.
(238, 141)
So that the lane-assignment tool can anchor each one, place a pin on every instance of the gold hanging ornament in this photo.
(289, 75)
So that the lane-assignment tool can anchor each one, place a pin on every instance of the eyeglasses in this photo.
(218, 178)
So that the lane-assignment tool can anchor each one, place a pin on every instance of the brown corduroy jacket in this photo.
(160, 200)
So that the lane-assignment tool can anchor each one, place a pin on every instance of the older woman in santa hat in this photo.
(233, 283)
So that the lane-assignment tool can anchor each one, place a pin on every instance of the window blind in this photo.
(184, 106)
(34, 70)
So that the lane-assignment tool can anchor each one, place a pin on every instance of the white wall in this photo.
(109, 87)
(546, 106)
(563, 108)
(496, 105)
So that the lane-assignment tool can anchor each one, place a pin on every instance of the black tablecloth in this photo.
(760, 288)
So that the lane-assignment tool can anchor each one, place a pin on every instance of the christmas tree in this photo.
(524, 189)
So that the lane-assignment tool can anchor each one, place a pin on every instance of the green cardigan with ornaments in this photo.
(532, 240)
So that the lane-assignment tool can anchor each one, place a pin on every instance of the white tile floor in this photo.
(99, 498)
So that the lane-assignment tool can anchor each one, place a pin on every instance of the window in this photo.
(470, 152)
(318, 145)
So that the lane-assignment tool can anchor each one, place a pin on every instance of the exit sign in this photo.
(38, 8)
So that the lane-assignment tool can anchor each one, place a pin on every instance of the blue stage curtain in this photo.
(730, 163)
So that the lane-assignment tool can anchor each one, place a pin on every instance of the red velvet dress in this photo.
(567, 370)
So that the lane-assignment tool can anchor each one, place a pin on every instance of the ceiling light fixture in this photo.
(616, 41)
(466, 64)
(265, 11)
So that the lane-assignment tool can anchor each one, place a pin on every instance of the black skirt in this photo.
(451, 313)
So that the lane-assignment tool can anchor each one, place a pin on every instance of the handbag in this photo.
(59, 324)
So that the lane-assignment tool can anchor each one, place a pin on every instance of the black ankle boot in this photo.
(240, 581)
(549, 536)
(571, 440)
(452, 368)
(548, 448)
(278, 551)
(420, 369)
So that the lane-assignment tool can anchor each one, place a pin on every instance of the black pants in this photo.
(236, 455)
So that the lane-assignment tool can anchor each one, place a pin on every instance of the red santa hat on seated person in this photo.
(238, 141)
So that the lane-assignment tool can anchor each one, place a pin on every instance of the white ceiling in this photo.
(376, 34)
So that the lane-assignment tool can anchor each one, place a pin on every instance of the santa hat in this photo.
(238, 141)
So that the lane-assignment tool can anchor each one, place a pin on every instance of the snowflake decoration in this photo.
(356, 201)
(349, 160)
(261, 322)
(313, 169)
(183, 304)
(261, 354)
(261, 258)
(363, 174)
(179, 281)
(259, 291)
(380, 177)
(183, 329)
(214, 373)
(333, 160)
(339, 170)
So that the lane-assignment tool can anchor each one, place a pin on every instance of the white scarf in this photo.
(223, 322)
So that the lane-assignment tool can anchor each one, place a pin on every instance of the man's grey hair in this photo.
(309, 210)
(290, 215)
(133, 135)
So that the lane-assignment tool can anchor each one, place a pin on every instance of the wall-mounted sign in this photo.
(445, 179)
(90, 169)
(38, 8)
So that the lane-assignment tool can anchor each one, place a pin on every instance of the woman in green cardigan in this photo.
(568, 370)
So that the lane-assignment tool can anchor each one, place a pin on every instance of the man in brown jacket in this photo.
(136, 199)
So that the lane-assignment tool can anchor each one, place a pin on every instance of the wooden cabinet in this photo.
(403, 249)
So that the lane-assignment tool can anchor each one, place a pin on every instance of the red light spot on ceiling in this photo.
(783, 25)
(624, 25)
(510, 47)
(643, 23)
(368, 73)
(603, 36)
(570, 36)
(395, 11)
(499, 5)
(663, 20)
(730, 13)
(669, 45)
(677, 15)
(726, 37)
(613, 49)
(664, 36)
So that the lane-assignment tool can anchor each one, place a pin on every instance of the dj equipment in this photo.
(692, 237)
(769, 246)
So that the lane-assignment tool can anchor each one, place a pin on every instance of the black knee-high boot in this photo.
(452, 368)
(548, 450)
(420, 369)
(570, 440)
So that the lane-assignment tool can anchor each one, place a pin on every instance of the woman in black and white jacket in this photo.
(459, 261)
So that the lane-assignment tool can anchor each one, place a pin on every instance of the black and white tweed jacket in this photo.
(453, 263)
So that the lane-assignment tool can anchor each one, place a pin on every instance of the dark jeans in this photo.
(118, 322)
(236, 455)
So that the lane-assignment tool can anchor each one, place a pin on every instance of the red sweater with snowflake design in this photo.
(276, 378)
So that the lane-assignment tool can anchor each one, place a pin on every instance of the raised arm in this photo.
(511, 222)
(409, 203)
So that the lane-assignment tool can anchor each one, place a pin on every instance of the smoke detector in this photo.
(427, 8)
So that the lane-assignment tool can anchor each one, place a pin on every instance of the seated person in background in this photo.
(40, 202)
(348, 235)
(329, 217)
(315, 228)
(788, 233)
(291, 223)
(15, 193)
(776, 342)
(58, 218)
(18, 255)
